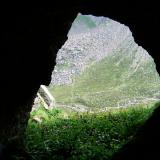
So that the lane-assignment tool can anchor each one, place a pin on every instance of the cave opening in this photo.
(100, 69)
(30, 40)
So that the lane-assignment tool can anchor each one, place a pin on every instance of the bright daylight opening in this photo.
(101, 67)
(102, 81)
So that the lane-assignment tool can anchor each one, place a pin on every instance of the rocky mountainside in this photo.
(88, 41)
(103, 48)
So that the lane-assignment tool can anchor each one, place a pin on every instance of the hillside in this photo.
(81, 136)
(100, 66)
(86, 46)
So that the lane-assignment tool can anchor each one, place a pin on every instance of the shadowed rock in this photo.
(30, 40)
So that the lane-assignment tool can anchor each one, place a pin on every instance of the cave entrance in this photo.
(100, 76)
(100, 67)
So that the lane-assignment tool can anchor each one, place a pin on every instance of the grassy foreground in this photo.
(59, 135)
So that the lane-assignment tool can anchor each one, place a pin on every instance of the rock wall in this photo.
(83, 48)
(30, 39)
(92, 39)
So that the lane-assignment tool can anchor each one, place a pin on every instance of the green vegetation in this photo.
(62, 66)
(109, 83)
(124, 78)
(85, 20)
(62, 135)
(117, 91)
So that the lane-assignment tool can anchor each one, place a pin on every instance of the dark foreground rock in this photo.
(32, 36)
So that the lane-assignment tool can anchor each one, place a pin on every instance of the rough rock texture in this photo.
(99, 46)
(32, 36)
(87, 45)
(92, 39)
(29, 43)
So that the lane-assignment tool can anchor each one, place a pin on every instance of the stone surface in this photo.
(29, 43)
(32, 36)
(93, 41)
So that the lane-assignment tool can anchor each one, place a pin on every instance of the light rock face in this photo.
(90, 40)
(86, 44)
(102, 52)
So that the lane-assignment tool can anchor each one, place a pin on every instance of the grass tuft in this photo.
(82, 135)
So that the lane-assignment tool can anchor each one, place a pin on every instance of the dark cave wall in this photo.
(29, 43)
(30, 39)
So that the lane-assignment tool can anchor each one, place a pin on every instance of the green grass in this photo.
(85, 20)
(84, 136)
(63, 134)
(104, 83)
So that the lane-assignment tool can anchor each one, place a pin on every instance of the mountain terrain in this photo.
(100, 66)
